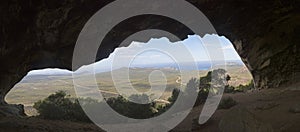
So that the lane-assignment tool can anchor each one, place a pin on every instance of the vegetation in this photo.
(230, 89)
(33, 88)
(213, 82)
(60, 106)
(134, 110)
(227, 103)
(240, 88)
(175, 94)
(243, 88)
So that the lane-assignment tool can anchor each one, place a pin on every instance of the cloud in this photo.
(227, 47)
(191, 49)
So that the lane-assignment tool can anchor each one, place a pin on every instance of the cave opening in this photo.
(141, 62)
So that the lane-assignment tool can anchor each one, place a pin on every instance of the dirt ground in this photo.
(272, 106)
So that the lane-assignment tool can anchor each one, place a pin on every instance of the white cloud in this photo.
(192, 48)
(227, 47)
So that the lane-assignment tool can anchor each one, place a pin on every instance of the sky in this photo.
(161, 50)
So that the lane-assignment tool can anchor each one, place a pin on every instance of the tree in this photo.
(54, 106)
(59, 106)
(215, 81)
(174, 96)
(132, 109)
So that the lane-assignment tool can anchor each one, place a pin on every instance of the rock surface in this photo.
(241, 120)
(295, 109)
(12, 110)
(36, 34)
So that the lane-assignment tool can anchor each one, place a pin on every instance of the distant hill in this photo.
(200, 65)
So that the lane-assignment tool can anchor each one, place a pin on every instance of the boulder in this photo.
(16, 110)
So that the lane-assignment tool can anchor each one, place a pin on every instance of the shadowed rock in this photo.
(242, 120)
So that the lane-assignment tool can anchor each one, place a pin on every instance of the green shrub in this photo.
(54, 106)
(163, 108)
(206, 85)
(227, 103)
(131, 109)
(202, 96)
(190, 89)
(229, 89)
(59, 106)
(244, 88)
(174, 96)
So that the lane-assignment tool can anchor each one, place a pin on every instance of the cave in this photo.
(39, 84)
(42, 34)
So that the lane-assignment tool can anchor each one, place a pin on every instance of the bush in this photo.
(243, 88)
(77, 112)
(205, 84)
(174, 96)
(240, 88)
(227, 103)
(131, 109)
(163, 108)
(59, 106)
(229, 89)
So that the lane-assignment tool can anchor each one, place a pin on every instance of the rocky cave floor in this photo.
(275, 109)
